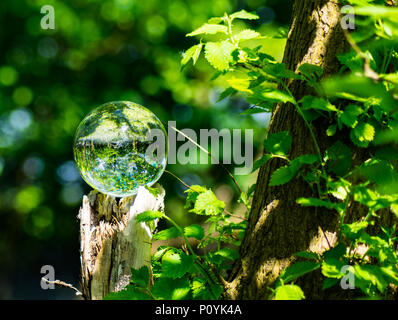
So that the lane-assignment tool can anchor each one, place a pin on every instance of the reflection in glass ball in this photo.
(120, 146)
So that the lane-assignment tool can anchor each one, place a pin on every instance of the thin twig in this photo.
(62, 284)
(208, 153)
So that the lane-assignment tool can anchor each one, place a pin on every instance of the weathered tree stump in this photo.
(112, 242)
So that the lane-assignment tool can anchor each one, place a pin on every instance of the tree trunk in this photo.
(277, 226)
(112, 242)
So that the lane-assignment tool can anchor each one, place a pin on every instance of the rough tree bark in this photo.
(277, 226)
(111, 242)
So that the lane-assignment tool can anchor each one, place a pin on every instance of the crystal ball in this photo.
(119, 147)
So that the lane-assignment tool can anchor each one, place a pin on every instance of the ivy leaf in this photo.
(149, 215)
(167, 234)
(209, 29)
(171, 289)
(192, 53)
(247, 35)
(175, 265)
(194, 231)
(243, 14)
(289, 292)
(278, 143)
(219, 54)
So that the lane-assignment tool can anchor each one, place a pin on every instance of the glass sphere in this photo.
(120, 146)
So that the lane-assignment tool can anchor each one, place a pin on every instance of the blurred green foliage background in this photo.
(100, 51)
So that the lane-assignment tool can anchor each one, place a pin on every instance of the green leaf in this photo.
(331, 268)
(227, 253)
(140, 276)
(194, 231)
(243, 14)
(247, 35)
(369, 274)
(219, 54)
(307, 255)
(281, 176)
(192, 53)
(315, 202)
(209, 29)
(278, 143)
(149, 215)
(175, 265)
(167, 234)
(364, 132)
(201, 290)
(339, 158)
(316, 103)
(311, 71)
(261, 162)
(226, 93)
(297, 270)
(171, 288)
(240, 84)
(329, 282)
(275, 95)
(350, 115)
(289, 292)
(331, 130)
(207, 204)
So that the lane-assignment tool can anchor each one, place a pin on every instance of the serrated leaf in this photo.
(207, 204)
(243, 14)
(167, 234)
(208, 29)
(227, 253)
(350, 115)
(307, 255)
(289, 292)
(171, 289)
(281, 176)
(261, 162)
(140, 276)
(311, 71)
(275, 95)
(364, 132)
(200, 290)
(297, 270)
(278, 143)
(331, 268)
(194, 231)
(315, 202)
(247, 35)
(149, 215)
(240, 84)
(219, 54)
(175, 265)
(316, 103)
(192, 53)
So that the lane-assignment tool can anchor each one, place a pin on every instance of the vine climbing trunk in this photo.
(112, 242)
(278, 227)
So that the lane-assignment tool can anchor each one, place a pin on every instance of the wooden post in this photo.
(111, 242)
